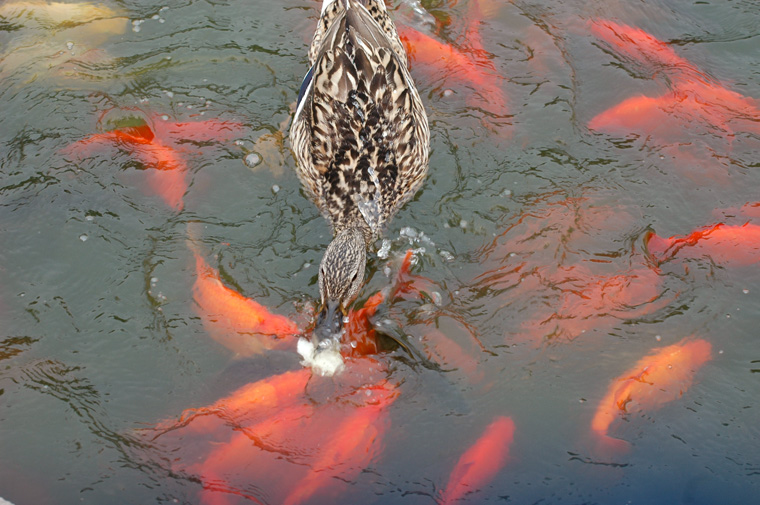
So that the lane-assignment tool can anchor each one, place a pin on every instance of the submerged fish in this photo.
(54, 14)
(168, 167)
(588, 301)
(481, 462)
(360, 333)
(161, 147)
(658, 378)
(638, 45)
(694, 99)
(248, 405)
(239, 323)
(447, 64)
(731, 245)
(285, 439)
(432, 337)
(549, 289)
(355, 442)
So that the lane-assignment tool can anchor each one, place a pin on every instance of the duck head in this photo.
(341, 275)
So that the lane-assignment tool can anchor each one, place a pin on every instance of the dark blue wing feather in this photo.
(304, 86)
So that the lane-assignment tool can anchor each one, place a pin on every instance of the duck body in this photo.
(360, 137)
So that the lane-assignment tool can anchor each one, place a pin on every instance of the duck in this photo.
(361, 141)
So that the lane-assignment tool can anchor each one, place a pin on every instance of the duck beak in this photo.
(329, 323)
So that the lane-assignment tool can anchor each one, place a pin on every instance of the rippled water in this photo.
(526, 215)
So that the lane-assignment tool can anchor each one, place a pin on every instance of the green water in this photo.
(100, 335)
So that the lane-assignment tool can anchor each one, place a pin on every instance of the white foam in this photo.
(326, 361)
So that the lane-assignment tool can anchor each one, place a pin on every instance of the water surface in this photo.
(100, 335)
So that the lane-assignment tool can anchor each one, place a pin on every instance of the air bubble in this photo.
(251, 160)
(382, 253)
(436, 297)
(446, 255)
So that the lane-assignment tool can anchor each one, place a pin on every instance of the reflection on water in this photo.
(591, 207)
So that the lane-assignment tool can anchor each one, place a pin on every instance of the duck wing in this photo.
(331, 9)
(360, 133)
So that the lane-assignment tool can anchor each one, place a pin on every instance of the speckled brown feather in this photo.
(360, 135)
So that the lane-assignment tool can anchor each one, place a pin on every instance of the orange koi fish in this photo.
(248, 405)
(638, 114)
(359, 330)
(442, 61)
(486, 9)
(637, 44)
(724, 244)
(693, 98)
(161, 149)
(355, 443)
(239, 323)
(169, 167)
(751, 209)
(658, 378)
(588, 301)
(273, 441)
(436, 345)
(481, 462)
(449, 342)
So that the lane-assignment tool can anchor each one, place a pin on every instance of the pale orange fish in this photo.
(248, 405)
(751, 209)
(444, 63)
(555, 291)
(54, 15)
(658, 378)
(354, 444)
(239, 323)
(486, 9)
(161, 149)
(481, 462)
(167, 176)
(724, 244)
(588, 300)
(284, 439)
(694, 99)
(638, 45)
(359, 330)
(450, 343)
(436, 345)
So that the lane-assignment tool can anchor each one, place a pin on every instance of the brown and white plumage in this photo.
(360, 135)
